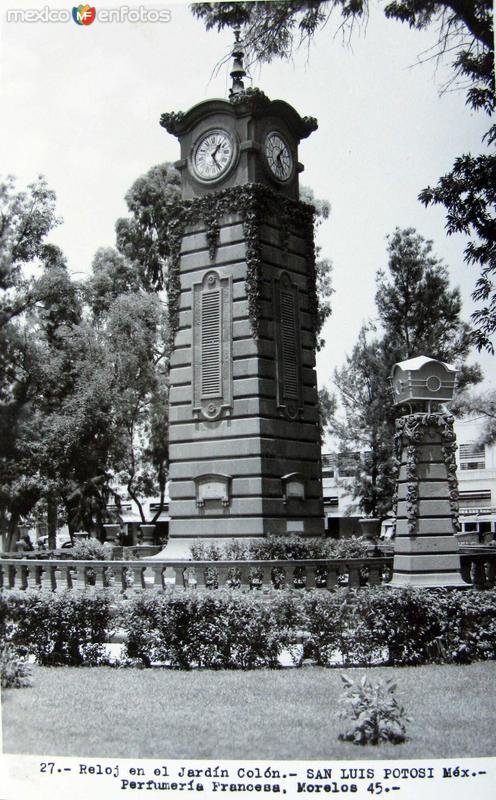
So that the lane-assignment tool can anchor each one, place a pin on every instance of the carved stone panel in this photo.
(293, 486)
(213, 486)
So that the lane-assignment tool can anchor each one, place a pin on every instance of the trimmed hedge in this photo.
(228, 629)
(58, 628)
(220, 629)
(287, 548)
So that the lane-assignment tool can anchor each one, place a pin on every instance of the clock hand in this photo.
(214, 153)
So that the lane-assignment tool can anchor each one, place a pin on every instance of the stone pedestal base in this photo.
(426, 551)
(433, 580)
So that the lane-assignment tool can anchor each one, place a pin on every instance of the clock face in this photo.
(279, 156)
(213, 155)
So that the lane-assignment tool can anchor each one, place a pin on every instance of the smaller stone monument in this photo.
(426, 551)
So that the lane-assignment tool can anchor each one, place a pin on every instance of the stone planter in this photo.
(370, 528)
(112, 532)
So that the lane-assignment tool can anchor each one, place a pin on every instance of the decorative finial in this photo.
(238, 71)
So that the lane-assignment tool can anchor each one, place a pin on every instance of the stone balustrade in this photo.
(132, 576)
(477, 569)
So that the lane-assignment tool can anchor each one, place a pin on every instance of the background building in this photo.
(476, 482)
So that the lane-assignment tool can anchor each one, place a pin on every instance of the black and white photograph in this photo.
(247, 399)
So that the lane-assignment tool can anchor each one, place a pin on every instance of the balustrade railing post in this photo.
(38, 576)
(311, 575)
(139, 577)
(201, 580)
(52, 576)
(479, 574)
(99, 571)
(490, 572)
(222, 576)
(24, 576)
(244, 576)
(353, 575)
(266, 570)
(12, 576)
(375, 576)
(466, 568)
(157, 570)
(76, 576)
(69, 578)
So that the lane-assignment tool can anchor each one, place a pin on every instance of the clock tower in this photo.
(244, 422)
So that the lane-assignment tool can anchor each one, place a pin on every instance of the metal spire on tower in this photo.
(238, 71)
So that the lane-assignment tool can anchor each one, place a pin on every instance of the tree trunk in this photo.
(52, 522)
(3, 530)
(12, 532)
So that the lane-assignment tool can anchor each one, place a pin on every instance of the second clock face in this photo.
(279, 156)
(213, 155)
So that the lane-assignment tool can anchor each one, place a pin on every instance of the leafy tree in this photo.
(468, 193)
(26, 218)
(418, 311)
(136, 336)
(327, 410)
(143, 237)
(277, 28)
(63, 437)
(478, 404)
(366, 426)
(465, 34)
(112, 274)
(419, 314)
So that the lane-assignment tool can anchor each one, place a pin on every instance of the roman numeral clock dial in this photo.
(279, 156)
(213, 155)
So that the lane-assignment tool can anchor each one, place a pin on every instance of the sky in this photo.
(81, 105)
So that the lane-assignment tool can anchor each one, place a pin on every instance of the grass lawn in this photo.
(159, 713)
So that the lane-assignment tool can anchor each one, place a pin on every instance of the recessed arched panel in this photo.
(212, 346)
(289, 389)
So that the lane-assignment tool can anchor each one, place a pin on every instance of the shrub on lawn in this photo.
(409, 623)
(215, 630)
(399, 626)
(15, 671)
(371, 712)
(469, 626)
(60, 629)
(342, 627)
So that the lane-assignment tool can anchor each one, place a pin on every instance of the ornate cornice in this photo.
(171, 121)
(248, 101)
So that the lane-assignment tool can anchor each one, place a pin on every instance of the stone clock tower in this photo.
(244, 435)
